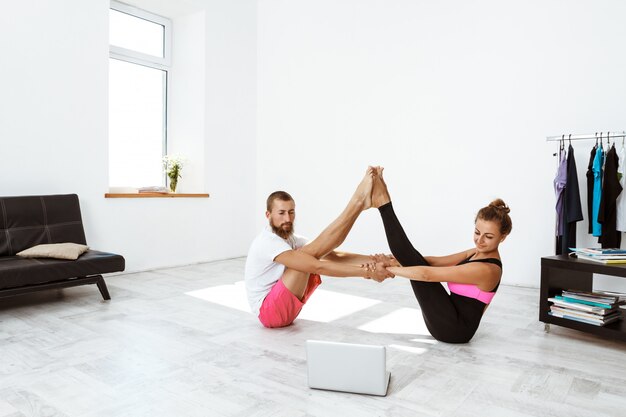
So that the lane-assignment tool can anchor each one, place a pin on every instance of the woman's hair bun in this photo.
(498, 211)
(500, 205)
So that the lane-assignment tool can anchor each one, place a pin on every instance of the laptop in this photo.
(361, 369)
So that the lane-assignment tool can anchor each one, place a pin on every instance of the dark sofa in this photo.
(33, 220)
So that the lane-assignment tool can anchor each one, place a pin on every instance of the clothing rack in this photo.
(597, 135)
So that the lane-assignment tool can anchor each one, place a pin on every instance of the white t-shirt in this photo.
(621, 199)
(261, 270)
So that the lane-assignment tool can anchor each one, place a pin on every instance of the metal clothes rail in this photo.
(597, 135)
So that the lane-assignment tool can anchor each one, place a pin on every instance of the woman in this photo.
(473, 275)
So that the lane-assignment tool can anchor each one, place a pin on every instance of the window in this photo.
(139, 64)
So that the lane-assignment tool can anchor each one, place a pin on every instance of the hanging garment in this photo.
(598, 161)
(611, 188)
(620, 224)
(559, 187)
(590, 188)
(572, 209)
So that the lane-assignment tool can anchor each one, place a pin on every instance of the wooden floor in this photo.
(180, 342)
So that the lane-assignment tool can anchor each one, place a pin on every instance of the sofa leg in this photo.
(102, 286)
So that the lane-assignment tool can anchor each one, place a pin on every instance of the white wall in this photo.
(454, 98)
(53, 130)
(186, 133)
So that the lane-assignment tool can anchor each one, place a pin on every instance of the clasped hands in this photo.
(378, 266)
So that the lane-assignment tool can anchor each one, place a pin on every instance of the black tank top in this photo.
(494, 261)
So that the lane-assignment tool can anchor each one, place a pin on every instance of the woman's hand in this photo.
(377, 271)
(387, 260)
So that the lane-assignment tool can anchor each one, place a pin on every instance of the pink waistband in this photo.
(471, 291)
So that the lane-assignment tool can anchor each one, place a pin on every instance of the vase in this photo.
(173, 184)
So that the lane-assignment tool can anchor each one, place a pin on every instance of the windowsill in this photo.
(156, 195)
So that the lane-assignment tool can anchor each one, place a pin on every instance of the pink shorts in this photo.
(281, 307)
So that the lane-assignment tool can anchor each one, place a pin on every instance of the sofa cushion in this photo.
(28, 221)
(17, 272)
(69, 251)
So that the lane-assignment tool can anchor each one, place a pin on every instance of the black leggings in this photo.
(450, 318)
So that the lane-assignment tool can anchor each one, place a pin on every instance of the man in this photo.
(283, 270)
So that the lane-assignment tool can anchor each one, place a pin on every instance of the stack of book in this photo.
(153, 189)
(597, 308)
(605, 256)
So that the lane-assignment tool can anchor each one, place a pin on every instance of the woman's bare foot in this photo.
(363, 193)
(380, 194)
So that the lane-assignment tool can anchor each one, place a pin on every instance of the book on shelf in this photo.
(600, 256)
(591, 296)
(601, 251)
(584, 315)
(585, 320)
(597, 308)
(602, 259)
(590, 303)
(559, 301)
(153, 189)
(619, 295)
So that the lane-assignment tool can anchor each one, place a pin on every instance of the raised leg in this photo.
(440, 314)
(398, 241)
(334, 235)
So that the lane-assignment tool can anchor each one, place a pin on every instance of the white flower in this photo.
(173, 163)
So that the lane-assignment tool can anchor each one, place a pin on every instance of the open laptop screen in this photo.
(347, 367)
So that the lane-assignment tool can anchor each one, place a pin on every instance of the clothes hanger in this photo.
(601, 147)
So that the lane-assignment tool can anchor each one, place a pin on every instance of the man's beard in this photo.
(286, 232)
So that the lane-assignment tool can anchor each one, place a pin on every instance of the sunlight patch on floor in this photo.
(231, 295)
(429, 341)
(325, 306)
(400, 321)
(410, 349)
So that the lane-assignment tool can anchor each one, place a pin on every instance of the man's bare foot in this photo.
(363, 193)
(380, 194)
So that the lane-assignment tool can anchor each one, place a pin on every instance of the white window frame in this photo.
(151, 61)
(135, 57)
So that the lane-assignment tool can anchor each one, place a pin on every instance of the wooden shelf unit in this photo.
(562, 272)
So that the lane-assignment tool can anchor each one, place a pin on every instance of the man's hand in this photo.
(387, 260)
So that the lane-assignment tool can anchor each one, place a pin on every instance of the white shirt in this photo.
(261, 271)
(621, 199)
